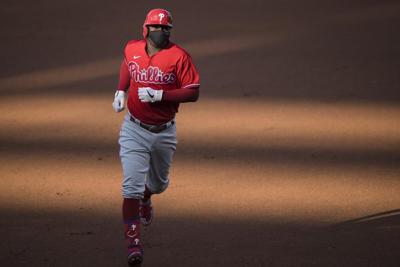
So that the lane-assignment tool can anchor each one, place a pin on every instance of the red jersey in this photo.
(169, 69)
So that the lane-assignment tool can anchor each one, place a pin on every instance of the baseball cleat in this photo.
(135, 257)
(146, 212)
(135, 250)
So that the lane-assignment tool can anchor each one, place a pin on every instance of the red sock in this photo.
(130, 210)
(147, 194)
(130, 214)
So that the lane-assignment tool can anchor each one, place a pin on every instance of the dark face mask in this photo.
(159, 38)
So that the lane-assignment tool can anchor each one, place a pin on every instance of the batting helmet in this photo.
(157, 16)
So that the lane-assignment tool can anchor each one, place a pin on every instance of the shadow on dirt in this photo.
(388, 219)
(211, 152)
(341, 52)
(95, 239)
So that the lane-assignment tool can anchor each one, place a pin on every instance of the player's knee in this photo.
(132, 192)
(159, 188)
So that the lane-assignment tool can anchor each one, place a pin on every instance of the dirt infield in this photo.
(290, 157)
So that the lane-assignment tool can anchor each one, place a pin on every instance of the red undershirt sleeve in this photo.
(181, 95)
(124, 78)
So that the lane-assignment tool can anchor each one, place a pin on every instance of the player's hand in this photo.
(147, 94)
(119, 101)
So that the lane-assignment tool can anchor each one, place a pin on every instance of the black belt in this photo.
(152, 128)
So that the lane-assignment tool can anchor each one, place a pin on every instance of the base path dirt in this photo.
(290, 157)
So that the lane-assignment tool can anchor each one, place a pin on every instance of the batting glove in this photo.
(147, 94)
(119, 101)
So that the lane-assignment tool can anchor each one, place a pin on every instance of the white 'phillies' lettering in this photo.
(150, 75)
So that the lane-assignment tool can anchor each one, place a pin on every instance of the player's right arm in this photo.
(124, 78)
(123, 85)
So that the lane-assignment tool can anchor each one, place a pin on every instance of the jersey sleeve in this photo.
(124, 78)
(187, 74)
(124, 75)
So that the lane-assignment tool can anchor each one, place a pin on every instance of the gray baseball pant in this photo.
(146, 158)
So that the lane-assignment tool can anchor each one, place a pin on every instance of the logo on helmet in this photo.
(157, 16)
(161, 15)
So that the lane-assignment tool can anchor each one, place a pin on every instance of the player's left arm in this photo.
(182, 95)
(147, 94)
(187, 79)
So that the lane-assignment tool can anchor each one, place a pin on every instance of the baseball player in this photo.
(155, 76)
